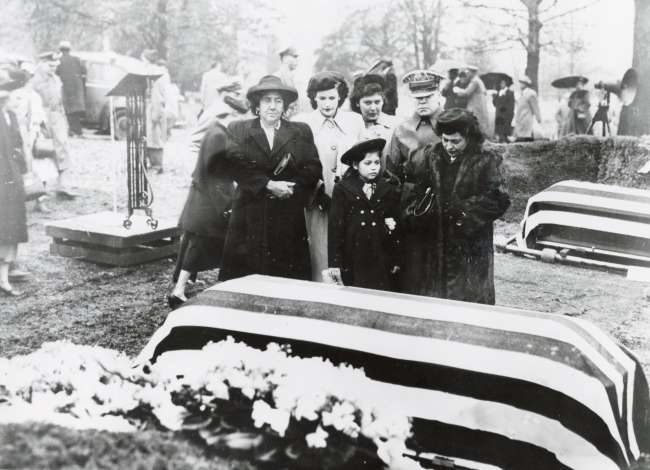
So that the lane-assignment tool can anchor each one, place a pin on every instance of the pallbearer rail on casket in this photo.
(509, 388)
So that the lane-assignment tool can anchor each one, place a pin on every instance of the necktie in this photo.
(368, 190)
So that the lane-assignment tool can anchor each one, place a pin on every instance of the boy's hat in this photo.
(358, 152)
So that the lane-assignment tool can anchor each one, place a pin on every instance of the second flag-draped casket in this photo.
(503, 387)
(596, 220)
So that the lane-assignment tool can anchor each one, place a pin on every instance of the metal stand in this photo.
(140, 193)
(602, 117)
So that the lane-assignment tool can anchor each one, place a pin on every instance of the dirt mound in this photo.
(530, 167)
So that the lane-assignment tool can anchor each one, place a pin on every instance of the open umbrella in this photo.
(491, 80)
(570, 81)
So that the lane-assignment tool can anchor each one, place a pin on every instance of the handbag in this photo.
(43, 147)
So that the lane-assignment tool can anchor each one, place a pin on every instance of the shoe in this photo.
(66, 194)
(11, 292)
(174, 302)
(17, 275)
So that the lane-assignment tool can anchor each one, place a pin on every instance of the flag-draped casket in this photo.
(508, 388)
(604, 221)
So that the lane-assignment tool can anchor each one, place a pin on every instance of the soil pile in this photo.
(534, 166)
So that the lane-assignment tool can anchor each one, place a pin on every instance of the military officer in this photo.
(404, 163)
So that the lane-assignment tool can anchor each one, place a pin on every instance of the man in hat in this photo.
(473, 91)
(48, 85)
(73, 77)
(287, 73)
(527, 110)
(403, 164)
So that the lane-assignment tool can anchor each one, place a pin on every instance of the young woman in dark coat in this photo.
(451, 213)
(363, 235)
(276, 174)
(204, 220)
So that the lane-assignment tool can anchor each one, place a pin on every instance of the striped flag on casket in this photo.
(502, 387)
(600, 219)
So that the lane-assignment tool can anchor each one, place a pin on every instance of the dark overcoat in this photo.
(13, 218)
(360, 242)
(452, 254)
(267, 235)
(504, 111)
(73, 75)
(212, 189)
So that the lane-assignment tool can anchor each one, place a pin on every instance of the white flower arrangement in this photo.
(230, 395)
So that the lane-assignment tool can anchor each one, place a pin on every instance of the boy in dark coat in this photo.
(363, 237)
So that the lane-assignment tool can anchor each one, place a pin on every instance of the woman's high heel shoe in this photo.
(174, 301)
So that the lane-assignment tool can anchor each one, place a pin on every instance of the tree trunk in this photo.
(635, 119)
(162, 32)
(533, 46)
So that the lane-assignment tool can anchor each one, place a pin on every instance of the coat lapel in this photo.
(258, 135)
(282, 136)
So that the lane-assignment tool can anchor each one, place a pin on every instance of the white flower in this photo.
(317, 439)
(390, 223)
(264, 414)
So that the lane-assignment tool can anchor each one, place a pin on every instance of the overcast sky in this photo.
(609, 33)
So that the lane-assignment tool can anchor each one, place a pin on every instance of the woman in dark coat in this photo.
(363, 234)
(13, 219)
(276, 173)
(204, 220)
(454, 256)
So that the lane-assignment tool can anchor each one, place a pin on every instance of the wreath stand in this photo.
(108, 237)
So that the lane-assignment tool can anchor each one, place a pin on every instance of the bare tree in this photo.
(522, 21)
(407, 31)
(635, 119)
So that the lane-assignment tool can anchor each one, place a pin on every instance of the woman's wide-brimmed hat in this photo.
(271, 83)
(358, 152)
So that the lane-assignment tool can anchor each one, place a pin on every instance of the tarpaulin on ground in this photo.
(505, 387)
(611, 218)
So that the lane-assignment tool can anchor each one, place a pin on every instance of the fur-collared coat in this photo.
(361, 243)
(268, 235)
(452, 251)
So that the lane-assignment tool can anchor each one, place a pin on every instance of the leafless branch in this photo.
(568, 12)
(517, 13)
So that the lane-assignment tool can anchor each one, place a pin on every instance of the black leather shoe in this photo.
(174, 302)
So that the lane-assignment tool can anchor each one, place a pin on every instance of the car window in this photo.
(100, 73)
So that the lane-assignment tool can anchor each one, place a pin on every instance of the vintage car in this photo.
(103, 71)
